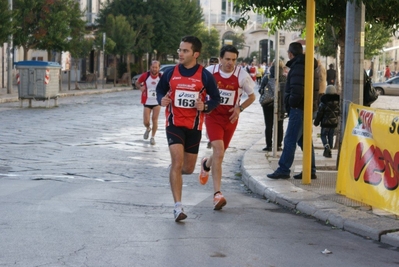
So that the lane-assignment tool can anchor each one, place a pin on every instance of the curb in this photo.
(286, 194)
(14, 97)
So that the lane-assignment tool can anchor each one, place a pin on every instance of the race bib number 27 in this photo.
(185, 99)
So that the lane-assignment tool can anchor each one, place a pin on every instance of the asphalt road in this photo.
(80, 187)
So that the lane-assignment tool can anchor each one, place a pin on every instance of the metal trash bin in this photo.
(38, 80)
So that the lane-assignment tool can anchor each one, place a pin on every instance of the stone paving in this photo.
(317, 199)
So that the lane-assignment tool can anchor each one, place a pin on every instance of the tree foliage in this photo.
(376, 36)
(46, 24)
(5, 21)
(237, 39)
(80, 47)
(210, 43)
(330, 21)
(330, 16)
(165, 23)
(122, 34)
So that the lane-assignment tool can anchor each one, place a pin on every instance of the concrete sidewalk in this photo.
(85, 89)
(317, 199)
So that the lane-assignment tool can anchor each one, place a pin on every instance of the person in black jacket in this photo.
(331, 75)
(295, 93)
(327, 116)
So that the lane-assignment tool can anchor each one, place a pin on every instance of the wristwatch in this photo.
(241, 109)
(205, 107)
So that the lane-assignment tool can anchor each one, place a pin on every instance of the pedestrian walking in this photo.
(182, 90)
(147, 83)
(327, 116)
(295, 92)
(387, 74)
(221, 123)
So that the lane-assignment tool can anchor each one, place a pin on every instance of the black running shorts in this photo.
(189, 138)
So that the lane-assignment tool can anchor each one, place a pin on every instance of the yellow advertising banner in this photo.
(369, 159)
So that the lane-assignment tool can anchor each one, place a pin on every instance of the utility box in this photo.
(38, 80)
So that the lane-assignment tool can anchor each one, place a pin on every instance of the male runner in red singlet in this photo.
(182, 91)
(147, 83)
(222, 122)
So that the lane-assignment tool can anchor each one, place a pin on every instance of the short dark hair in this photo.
(295, 48)
(213, 60)
(196, 44)
(228, 48)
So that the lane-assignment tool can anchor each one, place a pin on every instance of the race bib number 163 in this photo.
(185, 99)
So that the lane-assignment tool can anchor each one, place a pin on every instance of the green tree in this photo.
(210, 43)
(376, 36)
(119, 30)
(330, 17)
(5, 21)
(170, 21)
(80, 47)
(46, 24)
(238, 39)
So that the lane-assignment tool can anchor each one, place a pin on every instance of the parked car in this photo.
(389, 87)
(161, 70)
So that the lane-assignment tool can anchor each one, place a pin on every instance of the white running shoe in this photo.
(147, 133)
(179, 214)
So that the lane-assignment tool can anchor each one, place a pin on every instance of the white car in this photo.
(389, 87)
(161, 70)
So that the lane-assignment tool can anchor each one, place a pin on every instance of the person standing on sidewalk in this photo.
(221, 124)
(331, 75)
(294, 105)
(182, 90)
(327, 114)
(147, 83)
(269, 83)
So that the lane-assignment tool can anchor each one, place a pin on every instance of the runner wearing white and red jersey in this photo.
(221, 124)
(147, 83)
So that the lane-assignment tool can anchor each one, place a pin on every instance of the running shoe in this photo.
(152, 141)
(147, 133)
(219, 201)
(179, 214)
(203, 175)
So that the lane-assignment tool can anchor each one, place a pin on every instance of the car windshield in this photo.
(394, 80)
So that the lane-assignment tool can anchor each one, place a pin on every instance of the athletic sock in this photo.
(205, 167)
